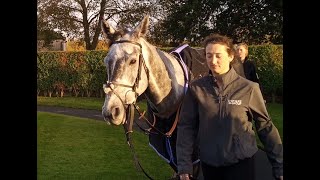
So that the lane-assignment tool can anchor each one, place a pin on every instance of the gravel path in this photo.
(92, 114)
(85, 113)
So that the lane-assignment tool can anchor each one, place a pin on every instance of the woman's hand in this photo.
(184, 177)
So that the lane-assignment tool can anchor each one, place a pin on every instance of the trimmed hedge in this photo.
(269, 62)
(82, 73)
(76, 73)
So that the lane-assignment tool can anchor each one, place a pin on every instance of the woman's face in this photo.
(242, 51)
(218, 59)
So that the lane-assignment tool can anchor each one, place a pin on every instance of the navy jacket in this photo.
(250, 71)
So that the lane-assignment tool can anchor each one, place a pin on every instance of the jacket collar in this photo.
(226, 78)
(245, 59)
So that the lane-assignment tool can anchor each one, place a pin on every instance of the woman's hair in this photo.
(219, 39)
(243, 45)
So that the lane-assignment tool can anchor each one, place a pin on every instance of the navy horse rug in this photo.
(162, 142)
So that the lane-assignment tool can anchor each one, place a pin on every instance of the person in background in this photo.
(217, 112)
(249, 68)
(236, 63)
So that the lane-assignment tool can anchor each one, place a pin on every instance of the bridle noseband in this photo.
(112, 85)
(128, 122)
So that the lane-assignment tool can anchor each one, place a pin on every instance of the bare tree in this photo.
(82, 18)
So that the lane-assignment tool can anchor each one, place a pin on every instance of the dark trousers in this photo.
(243, 170)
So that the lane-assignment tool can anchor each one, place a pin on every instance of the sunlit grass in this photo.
(78, 148)
(275, 110)
(276, 114)
(72, 102)
(78, 102)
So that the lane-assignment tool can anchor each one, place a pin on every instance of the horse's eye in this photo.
(133, 61)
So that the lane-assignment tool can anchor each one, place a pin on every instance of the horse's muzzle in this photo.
(113, 115)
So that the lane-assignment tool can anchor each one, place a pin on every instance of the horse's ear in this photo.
(142, 29)
(109, 32)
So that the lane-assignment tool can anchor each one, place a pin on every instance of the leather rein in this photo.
(128, 122)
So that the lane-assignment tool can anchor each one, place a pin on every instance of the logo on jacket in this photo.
(235, 102)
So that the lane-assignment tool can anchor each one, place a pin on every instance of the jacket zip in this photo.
(225, 99)
(220, 107)
(216, 89)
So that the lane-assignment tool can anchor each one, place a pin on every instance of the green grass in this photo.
(275, 110)
(79, 102)
(78, 148)
(72, 102)
(276, 114)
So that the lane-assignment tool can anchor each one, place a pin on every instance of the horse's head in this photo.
(126, 70)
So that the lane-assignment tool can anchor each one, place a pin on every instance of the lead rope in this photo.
(129, 140)
(167, 134)
(129, 130)
(130, 113)
(128, 124)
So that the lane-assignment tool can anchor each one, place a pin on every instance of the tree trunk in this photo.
(50, 93)
(76, 92)
(88, 93)
(61, 93)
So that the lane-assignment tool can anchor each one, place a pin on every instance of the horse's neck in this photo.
(166, 81)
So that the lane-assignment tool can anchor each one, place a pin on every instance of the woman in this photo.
(218, 110)
(249, 67)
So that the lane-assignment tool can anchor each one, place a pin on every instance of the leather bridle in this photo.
(129, 108)
(128, 122)
(112, 85)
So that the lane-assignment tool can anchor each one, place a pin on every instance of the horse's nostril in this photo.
(106, 115)
(116, 112)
